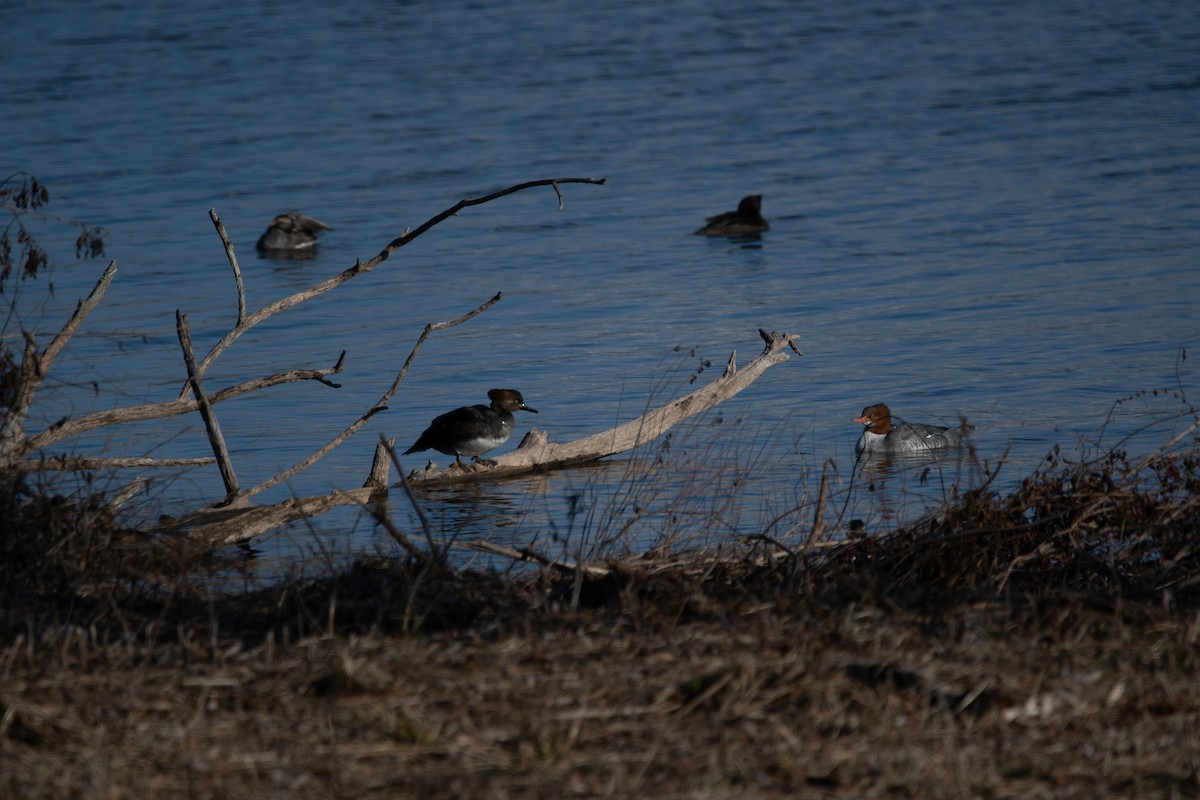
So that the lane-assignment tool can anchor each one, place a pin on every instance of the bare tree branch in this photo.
(171, 408)
(220, 527)
(431, 328)
(34, 368)
(246, 323)
(231, 525)
(316, 456)
(82, 310)
(76, 463)
(461, 204)
(224, 463)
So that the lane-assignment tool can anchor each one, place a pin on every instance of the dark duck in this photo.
(291, 232)
(473, 430)
(746, 221)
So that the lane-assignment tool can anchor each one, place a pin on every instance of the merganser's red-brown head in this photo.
(877, 418)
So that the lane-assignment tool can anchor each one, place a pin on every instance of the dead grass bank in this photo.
(1044, 644)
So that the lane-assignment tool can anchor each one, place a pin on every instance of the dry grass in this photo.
(1043, 644)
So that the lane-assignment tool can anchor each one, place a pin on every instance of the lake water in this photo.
(984, 208)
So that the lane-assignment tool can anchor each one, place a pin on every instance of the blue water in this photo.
(983, 208)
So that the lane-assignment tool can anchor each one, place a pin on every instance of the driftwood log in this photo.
(536, 453)
(220, 527)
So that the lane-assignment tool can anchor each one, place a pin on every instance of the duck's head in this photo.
(751, 205)
(877, 417)
(509, 399)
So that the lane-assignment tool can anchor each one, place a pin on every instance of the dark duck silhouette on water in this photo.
(746, 221)
(473, 430)
(290, 232)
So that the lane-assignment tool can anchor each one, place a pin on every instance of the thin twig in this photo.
(465, 203)
(379, 514)
(233, 262)
(526, 554)
(431, 328)
(82, 310)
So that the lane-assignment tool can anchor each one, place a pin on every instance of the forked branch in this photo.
(35, 366)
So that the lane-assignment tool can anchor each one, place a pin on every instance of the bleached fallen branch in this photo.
(172, 408)
(220, 527)
(537, 453)
(226, 526)
(72, 463)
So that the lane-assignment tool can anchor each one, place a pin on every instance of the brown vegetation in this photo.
(1043, 644)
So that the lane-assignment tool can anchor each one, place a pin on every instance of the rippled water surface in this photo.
(986, 209)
